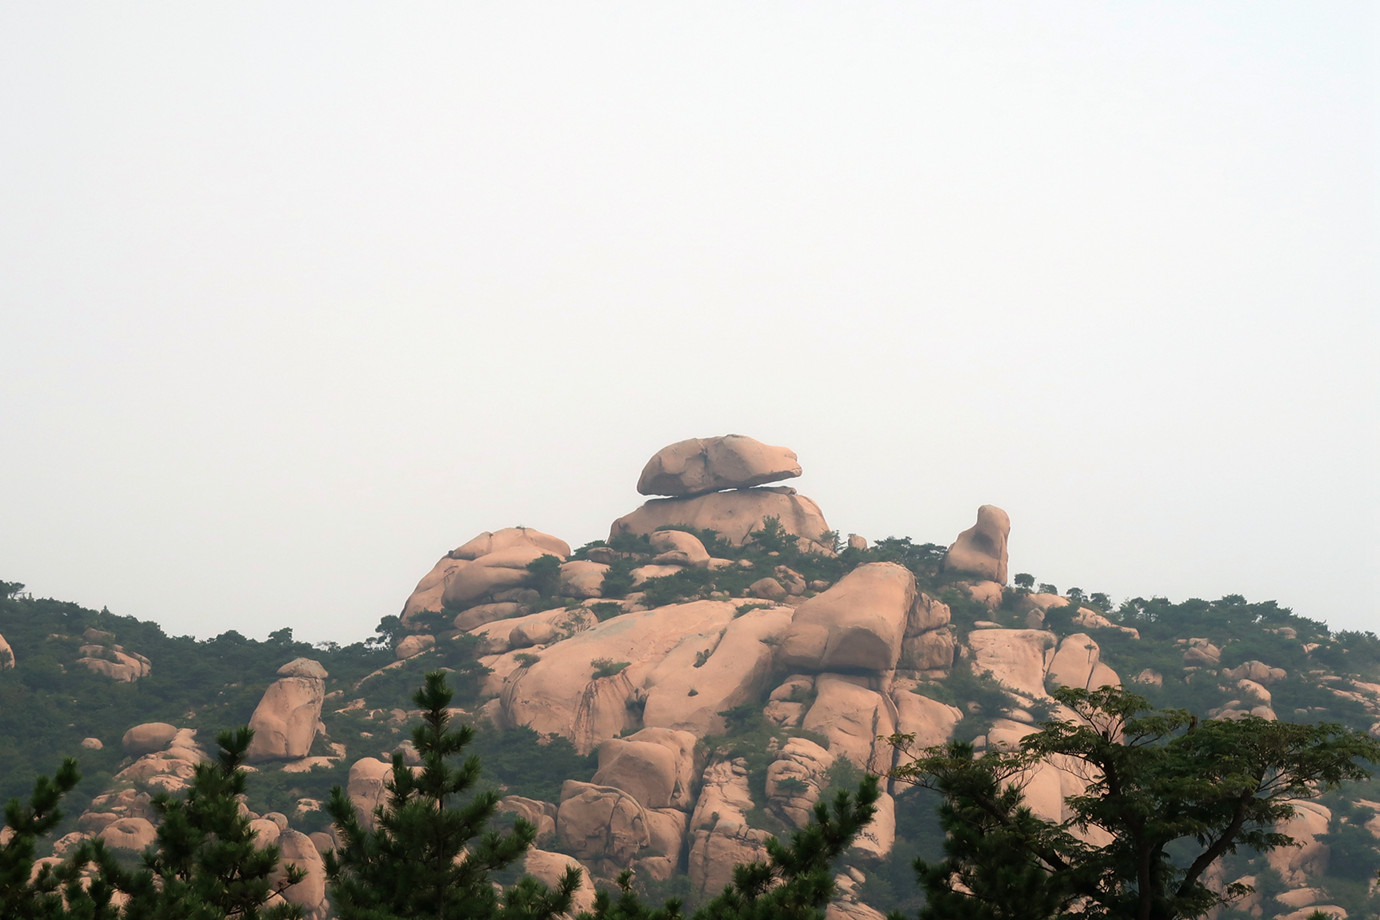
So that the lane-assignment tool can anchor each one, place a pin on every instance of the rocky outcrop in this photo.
(298, 850)
(1016, 658)
(498, 558)
(796, 778)
(601, 824)
(549, 868)
(656, 766)
(287, 718)
(733, 515)
(981, 549)
(6, 654)
(854, 718)
(700, 465)
(1078, 663)
(857, 624)
(720, 837)
(560, 692)
(115, 662)
(367, 788)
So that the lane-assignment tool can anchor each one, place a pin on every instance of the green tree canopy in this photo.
(1172, 794)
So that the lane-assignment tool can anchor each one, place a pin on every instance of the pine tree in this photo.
(206, 864)
(431, 852)
(1172, 794)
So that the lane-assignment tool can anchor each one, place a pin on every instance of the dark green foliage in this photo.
(432, 851)
(545, 572)
(607, 667)
(522, 762)
(795, 883)
(205, 864)
(1175, 794)
(27, 822)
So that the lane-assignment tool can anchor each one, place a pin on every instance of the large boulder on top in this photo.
(656, 766)
(286, 719)
(1078, 663)
(856, 624)
(702, 465)
(981, 549)
(733, 515)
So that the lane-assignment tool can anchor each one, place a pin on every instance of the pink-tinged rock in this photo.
(1078, 663)
(6, 654)
(987, 593)
(689, 689)
(541, 815)
(732, 515)
(92, 744)
(856, 624)
(549, 868)
(796, 778)
(981, 549)
(1308, 859)
(852, 717)
(645, 573)
(366, 787)
(676, 547)
(666, 827)
(559, 694)
(286, 720)
(926, 614)
(490, 562)
(929, 720)
(600, 823)
(130, 834)
(414, 645)
(701, 465)
(931, 651)
(148, 738)
(875, 841)
(720, 837)
(1202, 653)
(857, 542)
(583, 578)
(767, 588)
(655, 765)
(508, 538)
(310, 893)
(479, 615)
(1016, 658)
(1257, 671)
(115, 662)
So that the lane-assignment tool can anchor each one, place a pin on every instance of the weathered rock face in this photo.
(981, 549)
(1016, 658)
(310, 893)
(1078, 663)
(601, 823)
(733, 515)
(720, 835)
(147, 738)
(853, 717)
(115, 662)
(549, 868)
(560, 694)
(701, 465)
(795, 779)
(366, 787)
(286, 720)
(856, 624)
(656, 766)
(6, 654)
(490, 562)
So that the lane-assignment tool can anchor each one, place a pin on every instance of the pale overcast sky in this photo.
(298, 297)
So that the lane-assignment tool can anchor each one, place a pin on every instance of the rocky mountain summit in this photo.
(666, 699)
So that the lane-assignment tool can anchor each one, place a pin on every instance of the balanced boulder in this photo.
(733, 515)
(981, 549)
(286, 719)
(701, 465)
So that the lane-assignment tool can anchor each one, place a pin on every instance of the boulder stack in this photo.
(715, 484)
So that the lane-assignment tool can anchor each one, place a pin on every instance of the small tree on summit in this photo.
(431, 852)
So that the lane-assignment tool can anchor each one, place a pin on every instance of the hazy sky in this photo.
(298, 297)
